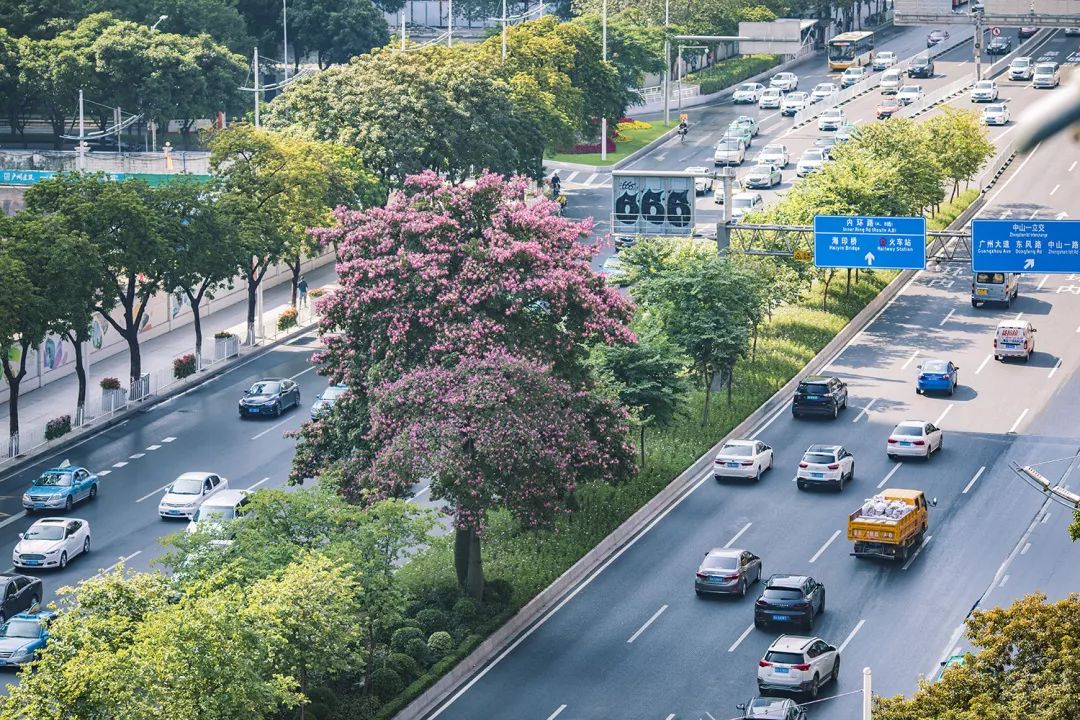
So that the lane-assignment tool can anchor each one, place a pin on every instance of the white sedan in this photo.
(748, 93)
(51, 542)
(774, 154)
(812, 160)
(909, 94)
(914, 438)
(997, 114)
(785, 81)
(186, 493)
(703, 182)
(822, 91)
(884, 60)
(742, 459)
(771, 99)
(831, 119)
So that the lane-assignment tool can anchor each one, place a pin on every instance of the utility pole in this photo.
(256, 72)
(867, 705)
(82, 134)
(603, 120)
(285, 36)
(119, 121)
(667, 81)
(403, 28)
(978, 45)
(504, 30)
(450, 25)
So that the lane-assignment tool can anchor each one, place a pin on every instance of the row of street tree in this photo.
(86, 244)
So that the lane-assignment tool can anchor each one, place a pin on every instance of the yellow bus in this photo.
(851, 49)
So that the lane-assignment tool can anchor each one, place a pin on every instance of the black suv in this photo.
(999, 46)
(820, 395)
(20, 593)
(921, 67)
(790, 599)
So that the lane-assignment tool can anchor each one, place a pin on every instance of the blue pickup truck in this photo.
(60, 487)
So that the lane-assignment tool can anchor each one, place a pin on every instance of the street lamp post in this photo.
(603, 120)
(159, 20)
(504, 30)
(450, 25)
(285, 36)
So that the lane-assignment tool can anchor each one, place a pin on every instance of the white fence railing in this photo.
(197, 163)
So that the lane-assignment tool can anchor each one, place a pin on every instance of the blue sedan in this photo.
(936, 376)
(23, 636)
(60, 488)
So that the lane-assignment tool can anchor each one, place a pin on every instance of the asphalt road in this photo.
(635, 642)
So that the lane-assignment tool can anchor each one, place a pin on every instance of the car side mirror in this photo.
(20, 536)
(933, 502)
(741, 706)
(318, 397)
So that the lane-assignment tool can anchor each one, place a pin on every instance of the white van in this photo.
(1014, 339)
(994, 287)
(217, 512)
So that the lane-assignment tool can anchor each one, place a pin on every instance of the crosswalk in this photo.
(581, 179)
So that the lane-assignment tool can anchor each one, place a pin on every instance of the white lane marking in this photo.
(559, 709)
(1006, 214)
(1003, 581)
(570, 178)
(271, 428)
(13, 518)
(648, 622)
(670, 717)
(103, 473)
(943, 414)
(825, 546)
(1018, 420)
(1013, 176)
(891, 473)
(917, 551)
(959, 631)
(983, 364)
(742, 637)
(710, 715)
(591, 178)
(258, 484)
(780, 411)
(303, 372)
(1055, 189)
(168, 439)
(117, 563)
(151, 494)
(865, 410)
(1018, 316)
(1027, 546)
(1045, 518)
(737, 535)
(850, 637)
(1042, 282)
(153, 447)
(421, 491)
(913, 356)
(972, 481)
(946, 319)
(1033, 215)
(1054, 369)
(120, 464)
(768, 117)
(1073, 166)
(136, 456)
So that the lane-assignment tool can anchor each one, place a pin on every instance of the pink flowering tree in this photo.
(445, 272)
(493, 433)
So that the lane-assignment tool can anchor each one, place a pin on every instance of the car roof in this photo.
(267, 379)
(818, 378)
(725, 552)
(912, 422)
(4, 577)
(226, 498)
(742, 443)
(57, 521)
(1013, 323)
(195, 475)
(823, 448)
(748, 195)
(791, 642)
(781, 580)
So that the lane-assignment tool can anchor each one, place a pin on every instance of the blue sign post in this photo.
(844, 241)
(1037, 246)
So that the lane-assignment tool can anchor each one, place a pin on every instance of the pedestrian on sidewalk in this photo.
(302, 288)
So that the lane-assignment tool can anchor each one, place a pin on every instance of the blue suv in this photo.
(60, 487)
(23, 636)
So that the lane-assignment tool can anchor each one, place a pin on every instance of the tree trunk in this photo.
(294, 266)
(196, 301)
(642, 444)
(131, 335)
(753, 345)
(13, 380)
(474, 581)
(80, 373)
(847, 287)
(252, 293)
(708, 396)
(730, 380)
(461, 555)
(825, 294)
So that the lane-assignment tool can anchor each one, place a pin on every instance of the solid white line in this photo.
(1042, 282)
(421, 491)
(738, 535)
(917, 551)
(13, 518)
(946, 319)
(103, 473)
(1017, 423)
(271, 428)
(913, 356)
(780, 411)
(258, 484)
(648, 622)
(559, 709)
(155, 492)
(943, 414)
(1003, 581)
(120, 464)
(1055, 189)
(303, 372)
(1073, 166)
(136, 456)
(865, 410)
(972, 481)
(168, 439)
(891, 473)
(983, 364)
(1027, 546)
(1045, 517)
(850, 637)
(1054, 369)
(153, 447)
(825, 546)
(742, 637)
(115, 564)
(710, 715)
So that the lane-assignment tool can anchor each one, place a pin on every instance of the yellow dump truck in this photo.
(890, 525)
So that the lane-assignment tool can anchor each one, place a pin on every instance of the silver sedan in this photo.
(727, 571)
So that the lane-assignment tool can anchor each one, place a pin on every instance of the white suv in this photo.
(799, 664)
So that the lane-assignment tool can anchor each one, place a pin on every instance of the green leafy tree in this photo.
(38, 19)
(122, 221)
(1025, 666)
(21, 318)
(647, 377)
(959, 142)
(217, 18)
(336, 30)
(904, 146)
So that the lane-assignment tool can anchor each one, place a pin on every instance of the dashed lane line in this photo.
(986, 360)
(136, 456)
(943, 414)
(120, 464)
(1054, 369)
(865, 410)
(887, 477)
(828, 542)
(738, 535)
(1019, 420)
(252, 487)
(972, 481)
(13, 518)
(648, 622)
(918, 550)
(103, 473)
(168, 439)
(270, 429)
(153, 447)
(908, 362)
(559, 709)
(149, 495)
(742, 637)
(850, 637)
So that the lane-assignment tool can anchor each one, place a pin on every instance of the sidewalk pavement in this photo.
(38, 406)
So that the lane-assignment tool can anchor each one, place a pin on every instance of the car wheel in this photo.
(940, 443)
(758, 624)
(699, 593)
(63, 560)
(757, 478)
(822, 609)
(952, 389)
(86, 545)
(845, 402)
(3, 617)
(974, 304)
(918, 390)
(891, 457)
(836, 670)
(68, 503)
(277, 409)
(742, 588)
(93, 491)
(815, 687)
(835, 411)
(800, 484)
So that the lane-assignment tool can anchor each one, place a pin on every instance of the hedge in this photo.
(731, 71)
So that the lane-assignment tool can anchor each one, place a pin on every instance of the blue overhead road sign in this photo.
(843, 241)
(1038, 246)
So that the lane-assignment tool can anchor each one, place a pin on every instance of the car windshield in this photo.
(21, 629)
(995, 108)
(886, 55)
(264, 388)
(781, 593)
(186, 486)
(773, 150)
(729, 143)
(737, 450)
(773, 92)
(842, 52)
(1021, 62)
(814, 388)
(985, 85)
(935, 366)
(54, 479)
(833, 113)
(761, 170)
(334, 392)
(748, 87)
(853, 71)
(818, 458)
(1044, 69)
(720, 562)
(215, 512)
(824, 87)
(908, 429)
(45, 532)
(784, 658)
(744, 203)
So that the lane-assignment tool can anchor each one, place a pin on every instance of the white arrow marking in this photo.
(869, 258)
(1029, 263)
(1061, 215)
